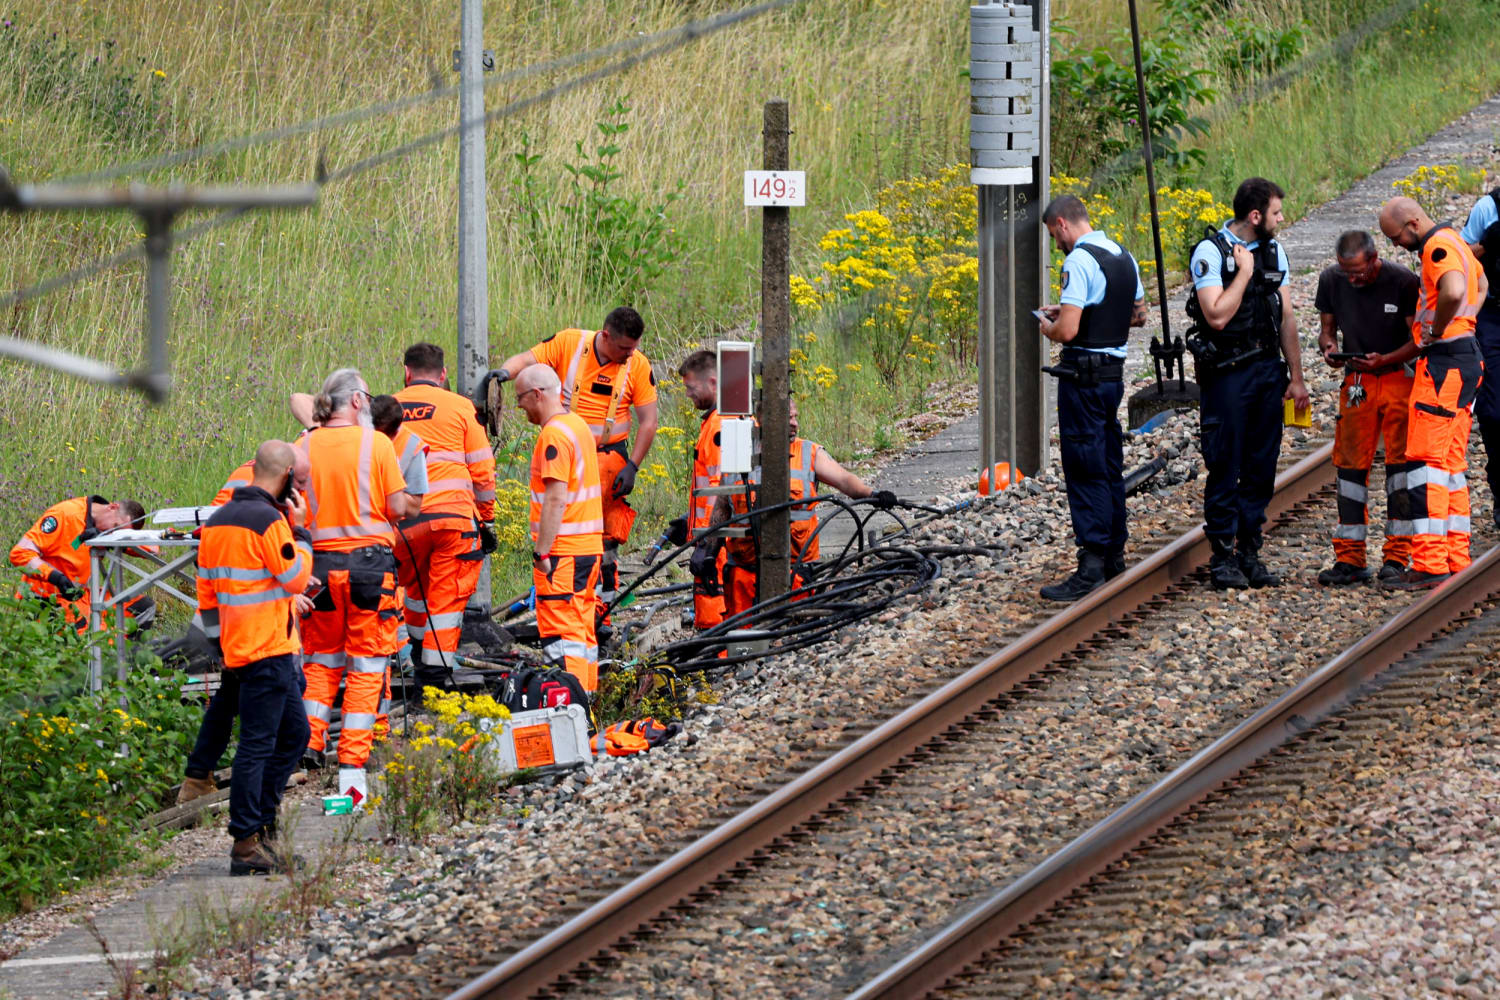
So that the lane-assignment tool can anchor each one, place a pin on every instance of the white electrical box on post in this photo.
(736, 402)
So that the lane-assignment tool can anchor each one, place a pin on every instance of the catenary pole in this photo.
(775, 311)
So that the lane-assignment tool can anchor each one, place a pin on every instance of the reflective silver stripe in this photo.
(1466, 310)
(801, 515)
(1426, 475)
(1457, 481)
(484, 496)
(415, 606)
(569, 647)
(582, 528)
(1429, 526)
(1458, 524)
(247, 600)
(316, 709)
(445, 456)
(701, 481)
(368, 664)
(1394, 481)
(1354, 491)
(470, 457)
(435, 657)
(712, 470)
(570, 380)
(587, 493)
(233, 573)
(1400, 528)
(416, 632)
(1353, 532)
(592, 654)
(334, 661)
(26, 543)
(462, 485)
(359, 720)
(366, 453)
(447, 619)
(289, 574)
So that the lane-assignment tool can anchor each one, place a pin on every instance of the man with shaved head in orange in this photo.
(1449, 370)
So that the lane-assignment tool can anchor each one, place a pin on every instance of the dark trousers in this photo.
(217, 727)
(273, 734)
(1240, 435)
(1088, 425)
(1487, 403)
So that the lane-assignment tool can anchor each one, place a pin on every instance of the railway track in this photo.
(1117, 885)
(1020, 688)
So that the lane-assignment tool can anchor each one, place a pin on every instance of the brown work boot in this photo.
(195, 788)
(250, 857)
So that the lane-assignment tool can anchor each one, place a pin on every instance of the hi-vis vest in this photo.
(609, 430)
(804, 520)
(460, 464)
(1441, 250)
(563, 453)
(706, 472)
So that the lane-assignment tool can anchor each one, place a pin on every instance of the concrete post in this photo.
(473, 271)
(775, 312)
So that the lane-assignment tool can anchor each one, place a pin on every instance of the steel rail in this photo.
(628, 908)
(1331, 687)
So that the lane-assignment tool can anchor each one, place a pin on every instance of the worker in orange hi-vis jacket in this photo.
(252, 569)
(699, 373)
(1449, 369)
(54, 561)
(809, 465)
(567, 523)
(604, 377)
(442, 549)
(355, 496)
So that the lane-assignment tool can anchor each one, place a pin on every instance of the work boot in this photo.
(1224, 569)
(1415, 579)
(250, 857)
(285, 860)
(1114, 565)
(1255, 571)
(1391, 572)
(1341, 574)
(1089, 576)
(195, 788)
(312, 760)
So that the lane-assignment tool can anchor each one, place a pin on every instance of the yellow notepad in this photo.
(1296, 418)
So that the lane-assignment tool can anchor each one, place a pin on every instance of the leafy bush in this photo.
(439, 774)
(69, 796)
(623, 242)
(1431, 184)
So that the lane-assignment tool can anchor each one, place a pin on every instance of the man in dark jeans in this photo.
(224, 707)
(252, 569)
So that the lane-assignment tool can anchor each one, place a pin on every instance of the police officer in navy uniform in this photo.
(1240, 318)
(1482, 233)
(1101, 300)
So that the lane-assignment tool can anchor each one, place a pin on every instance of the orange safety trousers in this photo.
(438, 565)
(565, 604)
(741, 586)
(619, 518)
(350, 636)
(1437, 445)
(708, 597)
(1372, 407)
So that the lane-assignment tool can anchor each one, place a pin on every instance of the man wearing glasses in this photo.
(1371, 303)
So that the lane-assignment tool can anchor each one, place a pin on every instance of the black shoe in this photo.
(1223, 568)
(1256, 571)
(312, 760)
(1089, 576)
(1114, 565)
(1391, 572)
(1341, 574)
(1415, 579)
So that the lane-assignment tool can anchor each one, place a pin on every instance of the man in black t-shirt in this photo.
(1371, 302)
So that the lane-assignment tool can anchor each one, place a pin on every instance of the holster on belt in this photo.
(1087, 369)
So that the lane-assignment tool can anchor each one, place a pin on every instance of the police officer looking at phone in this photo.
(1482, 232)
(1101, 300)
(1240, 318)
(1370, 302)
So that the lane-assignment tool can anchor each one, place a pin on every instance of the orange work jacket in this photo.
(707, 459)
(352, 472)
(54, 537)
(804, 519)
(601, 393)
(1443, 250)
(460, 463)
(249, 569)
(563, 453)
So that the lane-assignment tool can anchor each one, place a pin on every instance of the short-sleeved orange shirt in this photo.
(353, 470)
(1443, 250)
(562, 453)
(600, 393)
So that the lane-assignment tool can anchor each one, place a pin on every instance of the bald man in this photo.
(1449, 369)
(254, 561)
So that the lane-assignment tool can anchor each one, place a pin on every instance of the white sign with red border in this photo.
(787, 188)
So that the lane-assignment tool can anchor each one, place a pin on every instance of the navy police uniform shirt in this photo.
(1083, 280)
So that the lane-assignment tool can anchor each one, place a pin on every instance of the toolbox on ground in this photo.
(546, 737)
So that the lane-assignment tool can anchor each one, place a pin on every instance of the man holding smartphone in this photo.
(1101, 300)
(253, 566)
(1371, 302)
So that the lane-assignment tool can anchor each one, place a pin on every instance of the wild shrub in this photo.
(77, 770)
(1430, 185)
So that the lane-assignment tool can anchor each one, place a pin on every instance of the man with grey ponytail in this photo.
(355, 495)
